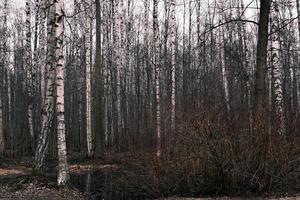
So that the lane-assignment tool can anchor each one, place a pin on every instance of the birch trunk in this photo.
(42, 50)
(173, 62)
(48, 103)
(63, 172)
(148, 91)
(298, 70)
(223, 68)
(28, 66)
(1, 125)
(116, 72)
(157, 74)
(89, 138)
(277, 68)
(98, 101)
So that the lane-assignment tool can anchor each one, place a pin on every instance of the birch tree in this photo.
(28, 64)
(276, 66)
(1, 121)
(223, 68)
(87, 31)
(48, 104)
(298, 70)
(63, 172)
(173, 62)
(157, 74)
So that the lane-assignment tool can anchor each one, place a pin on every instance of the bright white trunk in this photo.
(119, 63)
(277, 68)
(298, 70)
(89, 138)
(173, 70)
(48, 103)
(1, 127)
(223, 68)
(157, 75)
(42, 50)
(63, 173)
(28, 66)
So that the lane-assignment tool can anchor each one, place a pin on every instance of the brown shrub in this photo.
(212, 153)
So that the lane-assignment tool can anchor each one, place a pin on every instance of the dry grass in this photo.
(12, 171)
(83, 168)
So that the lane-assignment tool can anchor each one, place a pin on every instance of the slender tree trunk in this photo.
(247, 66)
(116, 104)
(277, 68)
(63, 172)
(89, 137)
(148, 69)
(223, 68)
(173, 70)
(261, 56)
(98, 124)
(2, 80)
(298, 70)
(1, 125)
(157, 74)
(48, 104)
(28, 66)
(42, 51)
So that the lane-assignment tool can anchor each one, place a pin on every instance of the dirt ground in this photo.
(17, 183)
(35, 190)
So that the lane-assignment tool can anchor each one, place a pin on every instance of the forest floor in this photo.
(17, 182)
(32, 188)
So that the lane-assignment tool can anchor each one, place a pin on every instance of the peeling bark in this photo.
(277, 67)
(63, 172)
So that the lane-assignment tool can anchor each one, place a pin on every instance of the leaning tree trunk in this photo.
(157, 74)
(277, 68)
(63, 172)
(48, 103)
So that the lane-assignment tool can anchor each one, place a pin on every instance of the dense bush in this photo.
(217, 154)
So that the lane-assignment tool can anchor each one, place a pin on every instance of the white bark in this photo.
(119, 64)
(48, 103)
(157, 74)
(1, 127)
(63, 173)
(173, 70)
(118, 67)
(298, 70)
(42, 50)
(223, 68)
(277, 68)
(89, 138)
(28, 65)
